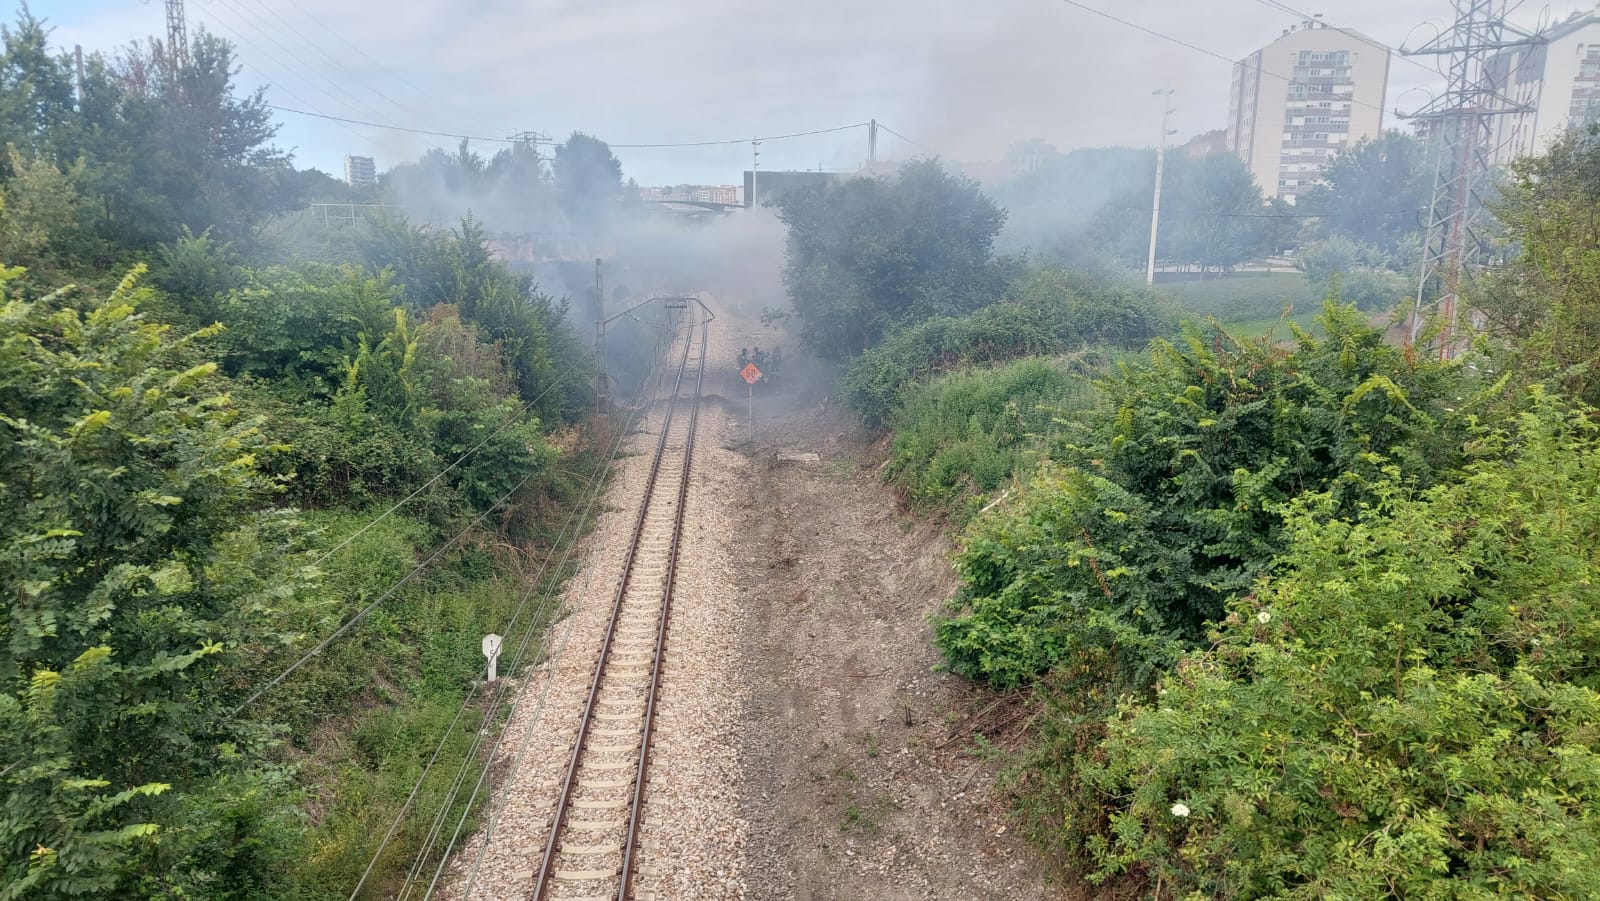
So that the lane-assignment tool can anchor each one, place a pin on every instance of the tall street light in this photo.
(1155, 205)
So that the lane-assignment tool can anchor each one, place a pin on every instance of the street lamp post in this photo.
(1155, 203)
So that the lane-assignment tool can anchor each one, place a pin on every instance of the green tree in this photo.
(1376, 193)
(1547, 301)
(588, 180)
(127, 588)
(865, 255)
(1211, 215)
(37, 108)
(1360, 273)
(43, 218)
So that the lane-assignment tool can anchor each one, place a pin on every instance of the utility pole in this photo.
(601, 379)
(872, 143)
(1464, 119)
(177, 34)
(755, 169)
(77, 53)
(1155, 203)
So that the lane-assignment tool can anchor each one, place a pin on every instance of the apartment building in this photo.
(1555, 85)
(1300, 100)
(360, 170)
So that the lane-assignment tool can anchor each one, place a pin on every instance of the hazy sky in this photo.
(959, 77)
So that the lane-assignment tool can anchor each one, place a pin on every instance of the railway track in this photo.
(594, 833)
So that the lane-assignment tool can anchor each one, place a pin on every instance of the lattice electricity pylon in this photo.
(177, 34)
(1462, 125)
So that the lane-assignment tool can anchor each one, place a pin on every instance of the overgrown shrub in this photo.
(970, 431)
(1168, 500)
(1406, 707)
(1049, 311)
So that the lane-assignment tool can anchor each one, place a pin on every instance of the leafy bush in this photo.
(1168, 501)
(1406, 708)
(969, 431)
(1048, 311)
(1359, 273)
(128, 482)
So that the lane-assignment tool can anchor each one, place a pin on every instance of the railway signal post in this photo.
(751, 375)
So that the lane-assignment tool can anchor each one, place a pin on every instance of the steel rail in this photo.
(546, 873)
(635, 820)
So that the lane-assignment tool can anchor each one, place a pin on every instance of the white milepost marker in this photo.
(491, 650)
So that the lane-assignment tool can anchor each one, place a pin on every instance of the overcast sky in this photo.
(961, 78)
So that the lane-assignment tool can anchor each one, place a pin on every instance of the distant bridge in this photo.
(700, 206)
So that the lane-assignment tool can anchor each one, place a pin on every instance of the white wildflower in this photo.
(1263, 617)
(1180, 809)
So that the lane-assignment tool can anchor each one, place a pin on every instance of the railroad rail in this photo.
(594, 830)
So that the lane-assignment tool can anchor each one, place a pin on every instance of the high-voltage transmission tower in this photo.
(1460, 123)
(177, 34)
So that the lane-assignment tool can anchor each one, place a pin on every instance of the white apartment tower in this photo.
(360, 170)
(1556, 82)
(1301, 99)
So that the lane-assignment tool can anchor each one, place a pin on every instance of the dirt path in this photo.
(853, 787)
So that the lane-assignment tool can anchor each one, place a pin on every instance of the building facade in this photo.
(730, 195)
(360, 170)
(1300, 100)
(1554, 84)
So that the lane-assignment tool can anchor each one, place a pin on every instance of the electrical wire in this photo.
(448, 134)
(1195, 47)
(798, 134)
(344, 96)
(441, 473)
(305, 41)
(906, 139)
(350, 623)
(521, 751)
(415, 131)
(398, 75)
(436, 828)
(1351, 33)
(576, 518)
(265, 80)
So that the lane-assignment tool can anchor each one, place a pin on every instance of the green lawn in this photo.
(1250, 303)
(1245, 295)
